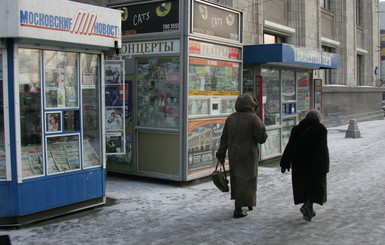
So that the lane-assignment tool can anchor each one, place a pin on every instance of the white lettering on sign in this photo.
(306, 56)
(214, 50)
(140, 18)
(216, 22)
(155, 47)
(84, 23)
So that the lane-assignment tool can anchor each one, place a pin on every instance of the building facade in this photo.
(382, 40)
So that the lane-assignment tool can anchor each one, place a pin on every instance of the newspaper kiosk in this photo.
(52, 147)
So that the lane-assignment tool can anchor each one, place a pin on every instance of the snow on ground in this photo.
(141, 212)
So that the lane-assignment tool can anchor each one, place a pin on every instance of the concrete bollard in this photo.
(353, 131)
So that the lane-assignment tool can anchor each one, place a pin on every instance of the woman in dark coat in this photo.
(307, 154)
(242, 132)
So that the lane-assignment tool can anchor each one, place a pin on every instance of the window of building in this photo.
(358, 12)
(269, 38)
(326, 74)
(325, 4)
(359, 70)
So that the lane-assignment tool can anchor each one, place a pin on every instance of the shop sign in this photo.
(63, 21)
(151, 47)
(313, 57)
(213, 50)
(215, 21)
(151, 17)
(289, 54)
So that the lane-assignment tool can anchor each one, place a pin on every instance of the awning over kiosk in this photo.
(289, 55)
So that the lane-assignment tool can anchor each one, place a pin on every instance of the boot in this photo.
(307, 210)
(238, 213)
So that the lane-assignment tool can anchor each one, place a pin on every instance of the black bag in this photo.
(219, 178)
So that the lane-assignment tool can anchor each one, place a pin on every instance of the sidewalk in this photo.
(140, 212)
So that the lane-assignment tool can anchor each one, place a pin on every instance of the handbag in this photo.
(219, 177)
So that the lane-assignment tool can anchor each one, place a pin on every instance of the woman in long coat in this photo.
(242, 132)
(307, 154)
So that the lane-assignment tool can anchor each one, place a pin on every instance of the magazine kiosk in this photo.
(183, 65)
(281, 77)
(52, 158)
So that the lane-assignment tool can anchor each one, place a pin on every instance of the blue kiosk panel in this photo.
(40, 194)
(289, 54)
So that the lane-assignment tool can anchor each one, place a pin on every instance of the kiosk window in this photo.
(90, 80)
(3, 170)
(30, 112)
(158, 92)
(61, 83)
(63, 153)
(271, 97)
(303, 84)
(213, 75)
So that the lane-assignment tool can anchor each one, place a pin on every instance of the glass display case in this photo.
(304, 92)
(199, 106)
(213, 75)
(63, 153)
(228, 104)
(64, 128)
(271, 97)
(272, 146)
(158, 92)
(30, 112)
(61, 79)
(213, 86)
(287, 125)
(288, 95)
(90, 87)
(248, 79)
(3, 165)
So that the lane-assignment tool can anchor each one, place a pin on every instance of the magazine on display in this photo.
(115, 111)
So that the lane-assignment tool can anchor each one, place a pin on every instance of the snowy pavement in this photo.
(155, 213)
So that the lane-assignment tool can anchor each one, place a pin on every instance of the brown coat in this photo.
(242, 132)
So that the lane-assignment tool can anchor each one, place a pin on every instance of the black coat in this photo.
(307, 154)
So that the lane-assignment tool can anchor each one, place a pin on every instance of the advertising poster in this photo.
(203, 141)
(115, 108)
(215, 21)
(149, 17)
(114, 143)
(114, 95)
(53, 122)
(125, 159)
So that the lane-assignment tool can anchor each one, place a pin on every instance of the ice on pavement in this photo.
(157, 213)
